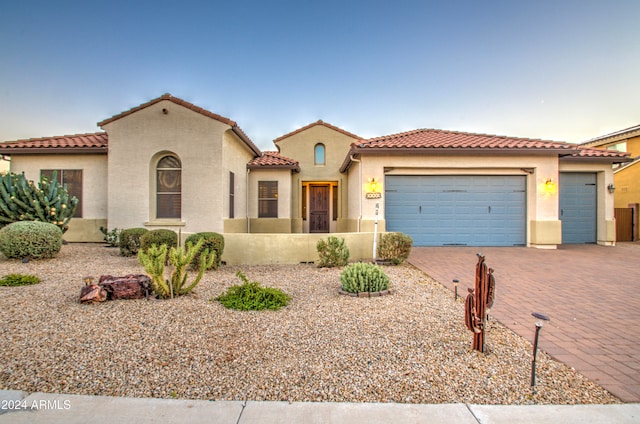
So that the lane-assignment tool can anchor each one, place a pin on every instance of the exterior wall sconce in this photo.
(549, 186)
(373, 189)
(611, 188)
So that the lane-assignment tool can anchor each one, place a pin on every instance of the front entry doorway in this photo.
(319, 208)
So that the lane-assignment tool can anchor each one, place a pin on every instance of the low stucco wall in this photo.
(257, 249)
(85, 230)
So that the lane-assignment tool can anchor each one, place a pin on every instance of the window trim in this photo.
(159, 194)
(271, 187)
(316, 162)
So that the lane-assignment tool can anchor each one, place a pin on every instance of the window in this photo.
(169, 188)
(319, 154)
(267, 199)
(304, 202)
(232, 194)
(73, 179)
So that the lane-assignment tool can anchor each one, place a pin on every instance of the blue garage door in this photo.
(466, 210)
(578, 207)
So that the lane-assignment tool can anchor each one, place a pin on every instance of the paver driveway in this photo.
(591, 293)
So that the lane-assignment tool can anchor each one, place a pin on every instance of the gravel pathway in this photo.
(409, 347)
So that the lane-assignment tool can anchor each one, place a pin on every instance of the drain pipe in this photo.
(359, 188)
(246, 206)
(375, 233)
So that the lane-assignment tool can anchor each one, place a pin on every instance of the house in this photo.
(171, 164)
(626, 176)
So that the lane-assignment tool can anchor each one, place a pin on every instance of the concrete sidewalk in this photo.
(69, 409)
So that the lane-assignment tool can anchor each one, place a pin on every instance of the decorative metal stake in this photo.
(541, 317)
(478, 303)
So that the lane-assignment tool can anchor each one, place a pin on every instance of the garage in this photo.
(457, 210)
(578, 207)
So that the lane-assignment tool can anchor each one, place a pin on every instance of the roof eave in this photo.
(237, 131)
(605, 159)
(293, 168)
(474, 150)
(53, 151)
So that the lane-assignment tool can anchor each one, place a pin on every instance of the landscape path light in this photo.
(541, 319)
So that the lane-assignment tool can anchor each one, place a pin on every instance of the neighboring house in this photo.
(170, 164)
(626, 178)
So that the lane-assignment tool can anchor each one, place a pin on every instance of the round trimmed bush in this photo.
(158, 237)
(214, 242)
(130, 241)
(30, 239)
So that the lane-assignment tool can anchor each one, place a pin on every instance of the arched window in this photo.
(319, 154)
(169, 187)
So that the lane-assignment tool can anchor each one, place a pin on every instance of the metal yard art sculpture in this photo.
(478, 303)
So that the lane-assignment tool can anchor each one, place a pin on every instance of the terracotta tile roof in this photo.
(77, 143)
(234, 126)
(433, 139)
(271, 160)
(319, 122)
(430, 140)
(595, 153)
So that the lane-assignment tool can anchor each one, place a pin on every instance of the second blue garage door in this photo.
(465, 210)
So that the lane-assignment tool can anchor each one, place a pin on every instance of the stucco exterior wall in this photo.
(94, 189)
(301, 147)
(627, 183)
(235, 158)
(270, 225)
(626, 179)
(543, 225)
(206, 152)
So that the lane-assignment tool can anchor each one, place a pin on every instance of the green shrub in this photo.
(250, 296)
(158, 237)
(363, 277)
(19, 280)
(214, 242)
(46, 201)
(30, 239)
(155, 258)
(395, 247)
(130, 240)
(112, 238)
(333, 252)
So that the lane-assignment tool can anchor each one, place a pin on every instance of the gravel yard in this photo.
(409, 347)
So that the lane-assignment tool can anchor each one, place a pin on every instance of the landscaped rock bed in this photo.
(411, 346)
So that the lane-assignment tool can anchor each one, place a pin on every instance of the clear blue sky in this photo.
(554, 69)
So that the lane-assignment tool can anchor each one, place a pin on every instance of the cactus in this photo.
(47, 201)
(154, 259)
(363, 277)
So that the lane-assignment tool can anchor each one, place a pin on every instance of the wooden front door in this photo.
(319, 209)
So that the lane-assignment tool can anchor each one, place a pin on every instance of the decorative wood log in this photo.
(127, 287)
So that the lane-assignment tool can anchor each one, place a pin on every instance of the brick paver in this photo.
(591, 293)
